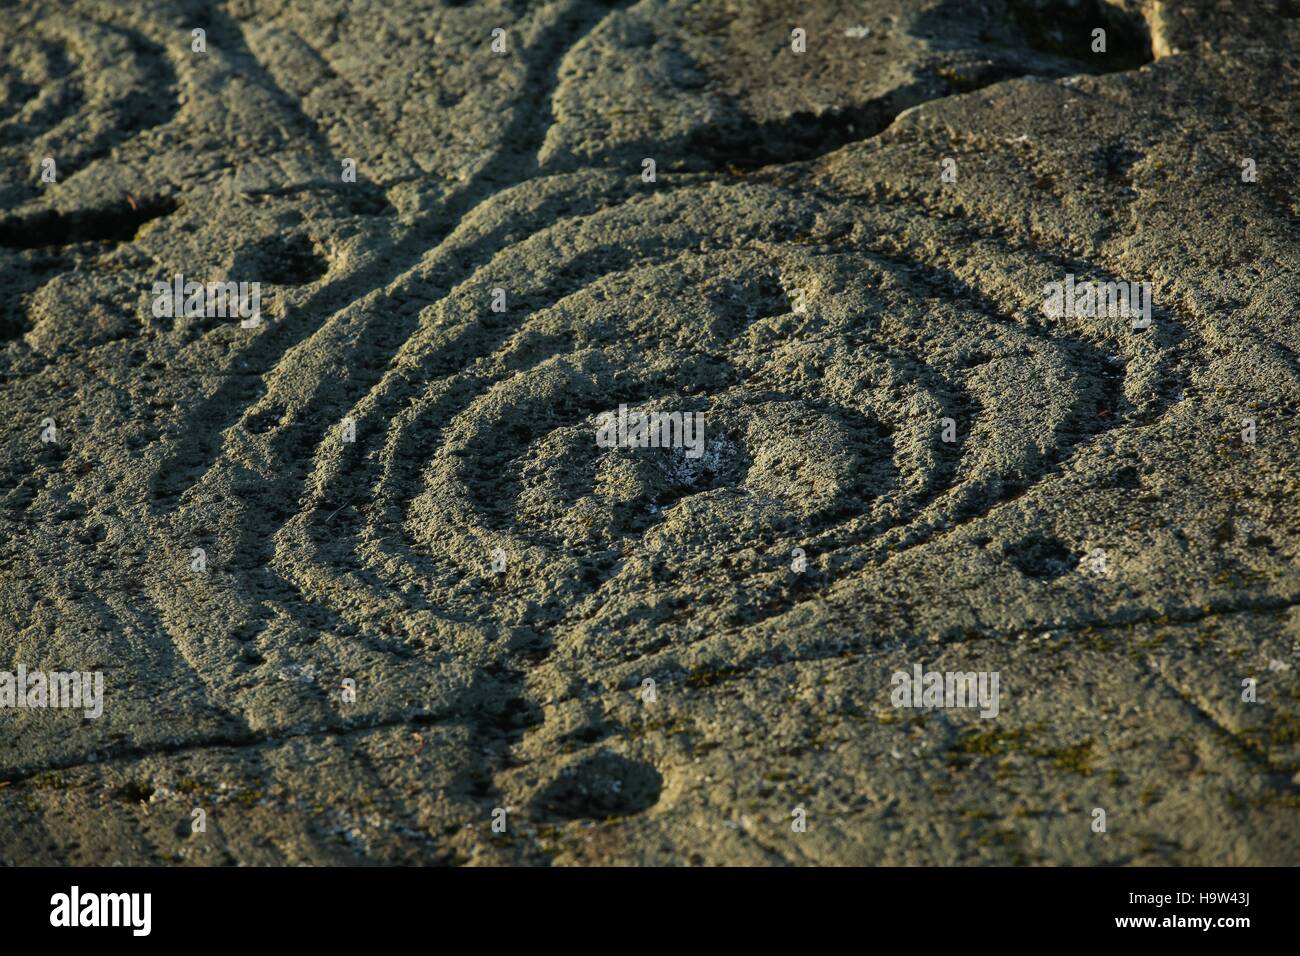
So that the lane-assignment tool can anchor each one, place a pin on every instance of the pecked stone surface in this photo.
(1099, 534)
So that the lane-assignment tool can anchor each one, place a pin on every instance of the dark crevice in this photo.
(602, 786)
(1062, 30)
(1066, 29)
(117, 222)
(1042, 557)
(280, 260)
(748, 144)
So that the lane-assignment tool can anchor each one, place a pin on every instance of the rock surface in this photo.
(1100, 534)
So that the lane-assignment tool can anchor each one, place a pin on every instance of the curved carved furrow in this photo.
(466, 514)
(480, 337)
(339, 474)
(199, 451)
(369, 326)
(1157, 355)
(76, 120)
(1079, 415)
(253, 548)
